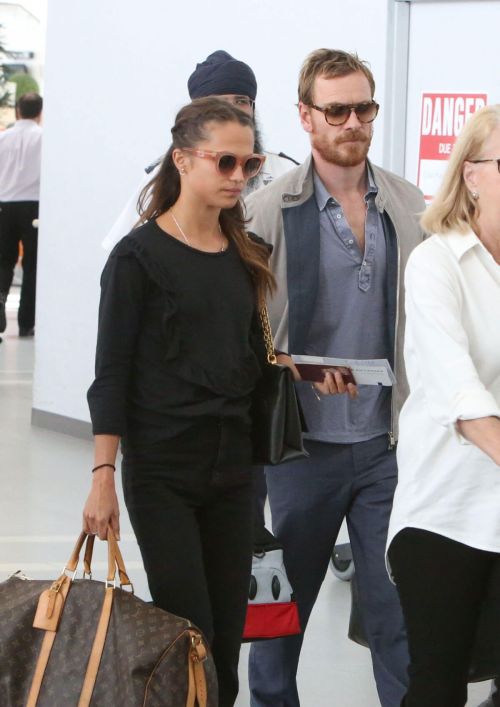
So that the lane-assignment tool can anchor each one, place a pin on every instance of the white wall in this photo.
(464, 34)
(116, 74)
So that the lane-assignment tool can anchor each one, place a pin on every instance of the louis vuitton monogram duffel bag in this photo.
(83, 643)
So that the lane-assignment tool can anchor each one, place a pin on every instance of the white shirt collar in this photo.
(25, 123)
(460, 243)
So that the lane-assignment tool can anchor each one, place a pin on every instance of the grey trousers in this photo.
(309, 500)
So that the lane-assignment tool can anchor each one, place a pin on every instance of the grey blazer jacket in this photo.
(285, 214)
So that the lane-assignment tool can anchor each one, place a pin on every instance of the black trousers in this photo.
(441, 584)
(16, 224)
(190, 501)
(260, 495)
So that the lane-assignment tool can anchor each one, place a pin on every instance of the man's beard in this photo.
(342, 151)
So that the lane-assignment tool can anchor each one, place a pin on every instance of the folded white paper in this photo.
(376, 371)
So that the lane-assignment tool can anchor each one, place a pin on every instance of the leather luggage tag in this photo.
(51, 604)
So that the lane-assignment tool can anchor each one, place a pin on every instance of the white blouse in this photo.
(452, 352)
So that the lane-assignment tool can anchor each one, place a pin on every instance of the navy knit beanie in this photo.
(222, 74)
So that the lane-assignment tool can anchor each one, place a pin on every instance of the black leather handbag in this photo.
(277, 420)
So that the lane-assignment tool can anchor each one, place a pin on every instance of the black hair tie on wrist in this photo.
(101, 466)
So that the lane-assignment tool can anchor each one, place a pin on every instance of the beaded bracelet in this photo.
(101, 466)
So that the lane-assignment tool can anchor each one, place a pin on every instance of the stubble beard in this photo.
(348, 151)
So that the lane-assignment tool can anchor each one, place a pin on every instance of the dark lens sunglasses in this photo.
(227, 162)
(339, 113)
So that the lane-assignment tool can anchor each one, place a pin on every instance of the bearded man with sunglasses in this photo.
(342, 230)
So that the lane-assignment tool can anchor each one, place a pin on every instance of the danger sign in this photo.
(443, 117)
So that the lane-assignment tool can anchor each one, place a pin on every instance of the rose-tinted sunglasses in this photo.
(227, 162)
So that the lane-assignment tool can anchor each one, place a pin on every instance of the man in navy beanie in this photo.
(220, 74)
(223, 75)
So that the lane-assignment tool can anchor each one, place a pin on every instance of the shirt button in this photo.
(339, 215)
(350, 242)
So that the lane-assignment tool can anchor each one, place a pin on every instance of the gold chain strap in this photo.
(268, 334)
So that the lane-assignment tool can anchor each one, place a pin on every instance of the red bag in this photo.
(271, 621)
(272, 610)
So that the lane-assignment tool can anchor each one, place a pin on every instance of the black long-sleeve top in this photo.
(178, 339)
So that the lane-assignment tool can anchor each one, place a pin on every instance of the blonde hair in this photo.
(330, 63)
(453, 208)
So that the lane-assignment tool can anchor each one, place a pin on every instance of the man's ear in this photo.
(305, 117)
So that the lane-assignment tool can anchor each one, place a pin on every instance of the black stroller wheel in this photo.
(341, 563)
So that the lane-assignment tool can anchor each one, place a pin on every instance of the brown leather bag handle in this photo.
(50, 612)
(72, 563)
(87, 558)
(115, 558)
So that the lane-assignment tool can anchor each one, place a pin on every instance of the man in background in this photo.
(226, 77)
(20, 157)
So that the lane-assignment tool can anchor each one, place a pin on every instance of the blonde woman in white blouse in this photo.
(444, 534)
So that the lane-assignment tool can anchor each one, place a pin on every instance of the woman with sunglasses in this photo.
(179, 352)
(444, 533)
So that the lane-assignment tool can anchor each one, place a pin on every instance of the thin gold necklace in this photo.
(223, 246)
